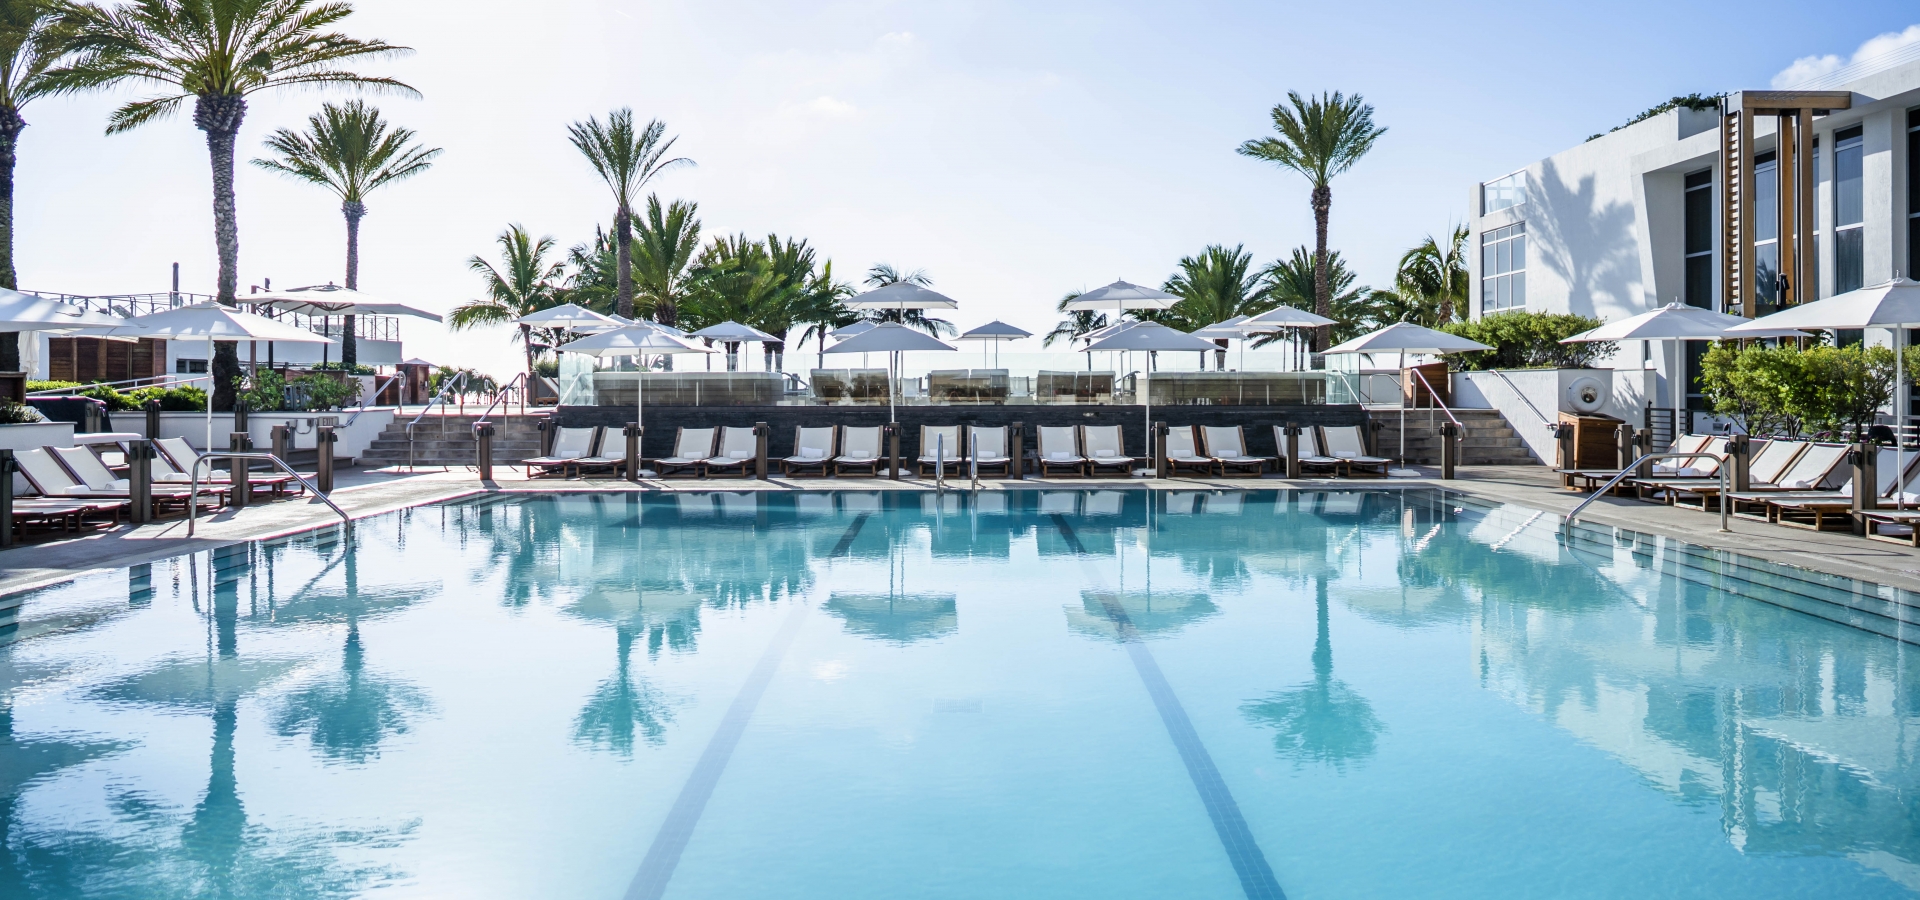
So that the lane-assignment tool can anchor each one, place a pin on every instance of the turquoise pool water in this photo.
(1023, 694)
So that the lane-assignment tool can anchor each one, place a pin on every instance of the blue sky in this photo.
(1015, 151)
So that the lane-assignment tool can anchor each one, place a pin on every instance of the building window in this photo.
(1849, 235)
(190, 366)
(1699, 240)
(1766, 235)
(1503, 264)
(1503, 193)
(1913, 193)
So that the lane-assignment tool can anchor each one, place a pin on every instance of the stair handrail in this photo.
(459, 380)
(501, 393)
(1726, 503)
(207, 458)
(378, 387)
(1435, 397)
(1523, 397)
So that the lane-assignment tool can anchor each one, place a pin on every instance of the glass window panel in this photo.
(1699, 221)
(1699, 286)
(1520, 289)
(1766, 205)
(1766, 276)
(1506, 257)
(1847, 185)
(1519, 253)
(1849, 259)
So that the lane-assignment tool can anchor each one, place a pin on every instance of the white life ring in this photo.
(1586, 394)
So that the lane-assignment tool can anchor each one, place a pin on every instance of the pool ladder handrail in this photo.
(207, 458)
(1725, 501)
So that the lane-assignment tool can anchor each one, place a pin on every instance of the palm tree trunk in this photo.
(349, 350)
(219, 115)
(623, 253)
(10, 125)
(526, 340)
(1322, 291)
(1220, 355)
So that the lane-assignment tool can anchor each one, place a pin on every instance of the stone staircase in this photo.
(447, 440)
(1490, 440)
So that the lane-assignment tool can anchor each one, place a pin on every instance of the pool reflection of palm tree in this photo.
(1323, 720)
(622, 709)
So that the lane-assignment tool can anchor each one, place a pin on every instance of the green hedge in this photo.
(1527, 340)
(1787, 391)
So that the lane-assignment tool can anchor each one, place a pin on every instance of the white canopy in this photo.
(732, 332)
(566, 315)
(26, 312)
(333, 300)
(902, 295)
(861, 327)
(211, 321)
(1890, 304)
(890, 337)
(1675, 321)
(631, 340)
(1407, 337)
(1152, 336)
(1283, 317)
(1121, 295)
(995, 330)
(1227, 329)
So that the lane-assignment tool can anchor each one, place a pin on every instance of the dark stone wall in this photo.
(662, 422)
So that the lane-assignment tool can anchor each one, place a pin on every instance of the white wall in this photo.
(27, 437)
(353, 440)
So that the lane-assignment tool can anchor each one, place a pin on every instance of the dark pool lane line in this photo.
(1256, 877)
(650, 883)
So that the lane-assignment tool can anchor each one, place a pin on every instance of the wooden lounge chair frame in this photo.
(847, 459)
(956, 451)
(1074, 460)
(798, 463)
(1361, 464)
(1185, 451)
(685, 457)
(1096, 463)
(1250, 466)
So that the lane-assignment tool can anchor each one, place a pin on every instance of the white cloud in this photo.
(1808, 68)
(829, 107)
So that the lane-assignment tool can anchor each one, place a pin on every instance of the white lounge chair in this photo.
(609, 453)
(1059, 448)
(1345, 443)
(946, 437)
(173, 464)
(812, 449)
(988, 449)
(1105, 446)
(1226, 445)
(570, 446)
(99, 480)
(1311, 456)
(859, 449)
(739, 449)
(1182, 451)
(692, 447)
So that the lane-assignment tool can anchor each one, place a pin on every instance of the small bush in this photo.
(325, 392)
(341, 367)
(1527, 340)
(18, 414)
(37, 386)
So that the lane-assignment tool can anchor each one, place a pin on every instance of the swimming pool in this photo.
(1014, 694)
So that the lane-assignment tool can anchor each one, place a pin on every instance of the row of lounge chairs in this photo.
(72, 486)
(1083, 450)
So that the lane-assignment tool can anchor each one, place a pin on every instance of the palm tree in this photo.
(883, 274)
(1323, 720)
(1213, 287)
(626, 159)
(32, 38)
(525, 284)
(1319, 138)
(216, 53)
(1293, 281)
(663, 251)
(1436, 279)
(1076, 325)
(350, 151)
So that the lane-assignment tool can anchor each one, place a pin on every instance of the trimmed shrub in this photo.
(1527, 340)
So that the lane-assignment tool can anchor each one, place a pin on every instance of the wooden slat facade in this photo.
(93, 359)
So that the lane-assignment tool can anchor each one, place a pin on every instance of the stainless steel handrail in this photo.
(458, 380)
(1725, 503)
(207, 458)
(1435, 397)
(1523, 397)
(378, 386)
(501, 394)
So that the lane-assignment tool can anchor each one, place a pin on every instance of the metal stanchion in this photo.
(939, 461)
(633, 433)
(90, 417)
(483, 449)
(1866, 496)
(1158, 447)
(1293, 449)
(893, 449)
(8, 466)
(1740, 462)
(323, 438)
(153, 420)
(1643, 441)
(1623, 439)
(1016, 465)
(1563, 452)
(281, 438)
(239, 472)
(140, 481)
(1449, 449)
(760, 434)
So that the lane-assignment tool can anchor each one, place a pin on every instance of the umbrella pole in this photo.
(1899, 419)
(209, 403)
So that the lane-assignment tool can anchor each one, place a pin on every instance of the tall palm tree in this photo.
(525, 283)
(1214, 286)
(626, 159)
(216, 53)
(32, 38)
(351, 151)
(1436, 278)
(1318, 138)
(883, 274)
(663, 251)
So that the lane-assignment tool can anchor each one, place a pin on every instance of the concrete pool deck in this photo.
(365, 493)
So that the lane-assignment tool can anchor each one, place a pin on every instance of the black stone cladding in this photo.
(663, 421)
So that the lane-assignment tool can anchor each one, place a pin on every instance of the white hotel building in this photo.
(1642, 216)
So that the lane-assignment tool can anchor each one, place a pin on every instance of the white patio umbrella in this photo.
(28, 313)
(333, 300)
(1151, 336)
(632, 340)
(1675, 322)
(1891, 304)
(1119, 297)
(994, 331)
(1406, 337)
(210, 321)
(1224, 330)
(567, 315)
(1282, 318)
(902, 296)
(892, 338)
(842, 333)
(730, 333)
